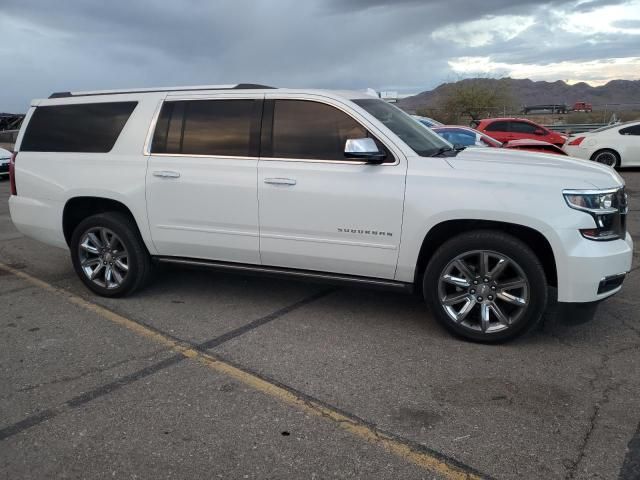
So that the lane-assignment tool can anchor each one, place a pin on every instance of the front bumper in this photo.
(590, 270)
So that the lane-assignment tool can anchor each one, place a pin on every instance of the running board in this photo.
(335, 278)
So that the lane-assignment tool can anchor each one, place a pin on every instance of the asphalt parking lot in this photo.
(216, 375)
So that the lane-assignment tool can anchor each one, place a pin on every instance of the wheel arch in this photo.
(78, 208)
(443, 231)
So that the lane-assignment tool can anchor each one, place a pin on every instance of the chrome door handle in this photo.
(280, 181)
(166, 174)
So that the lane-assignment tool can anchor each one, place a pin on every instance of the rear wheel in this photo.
(109, 256)
(607, 157)
(486, 286)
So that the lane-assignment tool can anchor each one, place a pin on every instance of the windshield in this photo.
(421, 140)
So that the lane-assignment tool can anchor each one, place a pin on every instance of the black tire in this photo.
(519, 257)
(138, 258)
(607, 157)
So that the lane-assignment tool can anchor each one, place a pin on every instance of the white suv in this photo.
(322, 184)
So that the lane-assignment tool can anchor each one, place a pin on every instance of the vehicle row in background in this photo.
(469, 137)
(5, 157)
(614, 145)
(558, 108)
(509, 128)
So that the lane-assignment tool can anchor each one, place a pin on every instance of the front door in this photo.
(201, 179)
(319, 210)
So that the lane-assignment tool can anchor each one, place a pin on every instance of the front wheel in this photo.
(486, 286)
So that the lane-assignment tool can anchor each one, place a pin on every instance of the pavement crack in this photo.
(86, 373)
(600, 372)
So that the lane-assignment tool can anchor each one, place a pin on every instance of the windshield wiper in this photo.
(442, 150)
(446, 149)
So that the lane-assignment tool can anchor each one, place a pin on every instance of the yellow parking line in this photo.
(423, 459)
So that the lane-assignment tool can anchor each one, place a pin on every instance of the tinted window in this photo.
(459, 137)
(523, 127)
(633, 130)
(424, 141)
(207, 127)
(89, 127)
(498, 127)
(304, 129)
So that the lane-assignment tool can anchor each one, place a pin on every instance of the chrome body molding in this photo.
(310, 275)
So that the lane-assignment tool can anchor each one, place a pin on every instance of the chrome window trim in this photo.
(152, 127)
(156, 115)
(321, 99)
(320, 160)
(247, 157)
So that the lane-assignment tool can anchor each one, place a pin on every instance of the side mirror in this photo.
(539, 131)
(363, 149)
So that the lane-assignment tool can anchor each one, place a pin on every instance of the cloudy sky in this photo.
(405, 45)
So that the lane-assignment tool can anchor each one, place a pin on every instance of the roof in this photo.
(349, 94)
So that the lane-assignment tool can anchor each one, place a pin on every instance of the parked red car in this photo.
(468, 137)
(507, 129)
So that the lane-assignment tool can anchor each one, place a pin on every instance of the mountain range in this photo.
(614, 95)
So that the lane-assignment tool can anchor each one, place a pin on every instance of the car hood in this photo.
(523, 165)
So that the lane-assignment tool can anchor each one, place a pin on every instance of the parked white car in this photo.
(5, 157)
(615, 145)
(315, 184)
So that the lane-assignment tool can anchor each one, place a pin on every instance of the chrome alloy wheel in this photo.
(103, 257)
(483, 290)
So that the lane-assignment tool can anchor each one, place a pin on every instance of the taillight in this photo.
(576, 141)
(12, 173)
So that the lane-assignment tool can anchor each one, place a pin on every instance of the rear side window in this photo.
(633, 130)
(311, 130)
(498, 127)
(87, 127)
(208, 127)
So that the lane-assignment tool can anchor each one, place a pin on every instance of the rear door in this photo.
(201, 178)
(319, 210)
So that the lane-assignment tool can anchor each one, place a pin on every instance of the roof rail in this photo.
(239, 86)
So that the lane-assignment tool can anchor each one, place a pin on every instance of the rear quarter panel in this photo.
(46, 181)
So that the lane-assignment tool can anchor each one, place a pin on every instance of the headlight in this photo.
(607, 207)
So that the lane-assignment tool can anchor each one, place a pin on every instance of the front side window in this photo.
(424, 141)
(86, 127)
(311, 130)
(206, 127)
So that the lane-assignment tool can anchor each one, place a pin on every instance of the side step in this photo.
(334, 278)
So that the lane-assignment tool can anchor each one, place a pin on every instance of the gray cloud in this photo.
(91, 44)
